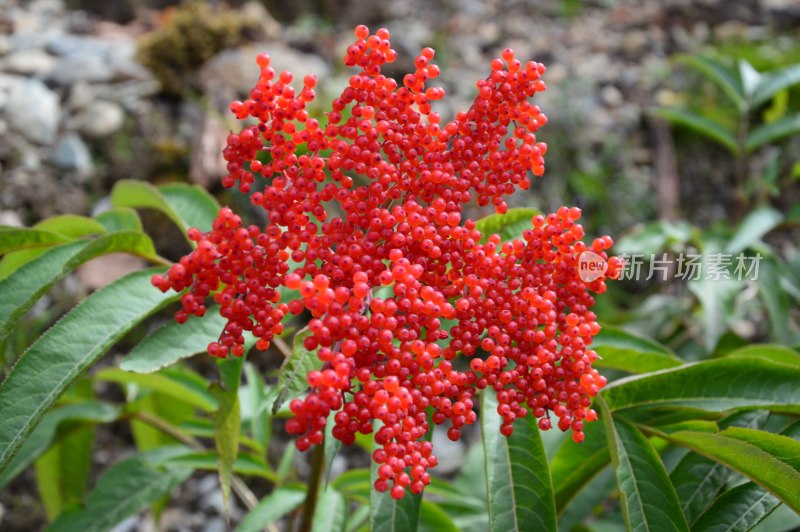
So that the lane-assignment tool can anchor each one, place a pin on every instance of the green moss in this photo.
(194, 33)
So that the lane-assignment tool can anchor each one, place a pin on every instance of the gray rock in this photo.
(101, 119)
(32, 110)
(29, 62)
(72, 154)
(74, 68)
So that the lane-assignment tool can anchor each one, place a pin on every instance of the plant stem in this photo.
(314, 482)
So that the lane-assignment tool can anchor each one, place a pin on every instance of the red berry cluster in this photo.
(397, 283)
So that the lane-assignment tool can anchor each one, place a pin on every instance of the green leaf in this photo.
(619, 349)
(775, 81)
(15, 238)
(770, 460)
(120, 219)
(272, 507)
(773, 131)
(719, 74)
(44, 435)
(193, 204)
(165, 382)
(698, 480)
(750, 77)
(757, 224)
(71, 225)
(776, 298)
(332, 445)
(434, 519)
(520, 491)
(62, 353)
(330, 512)
(245, 464)
(260, 420)
(773, 353)
(648, 499)
(62, 473)
(292, 375)
(744, 506)
(575, 465)
(716, 305)
(187, 206)
(27, 284)
(509, 226)
(699, 124)
(163, 408)
(123, 490)
(715, 386)
(227, 420)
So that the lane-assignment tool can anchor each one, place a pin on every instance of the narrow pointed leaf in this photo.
(62, 353)
(719, 74)
(575, 465)
(292, 376)
(120, 219)
(698, 480)
(744, 506)
(648, 499)
(15, 238)
(619, 349)
(330, 512)
(773, 131)
(124, 490)
(165, 383)
(757, 224)
(272, 507)
(518, 483)
(227, 421)
(509, 226)
(770, 352)
(389, 515)
(771, 83)
(702, 125)
(714, 386)
(770, 460)
(27, 284)
(245, 464)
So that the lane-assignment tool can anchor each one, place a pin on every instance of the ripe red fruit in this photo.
(382, 280)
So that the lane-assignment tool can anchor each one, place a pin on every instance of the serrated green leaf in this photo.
(574, 465)
(714, 386)
(648, 499)
(699, 124)
(272, 507)
(619, 349)
(187, 206)
(62, 353)
(292, 375)
(744, 506)
(62, 473)
(757, 224)
(164, 382)
(15, 238)
(123, 490)
(697, 479)
(27, 284)
(775, 81)
(509, 226)
(773, 131)
(330, 512)
(770, 460)
(44, 434)
(518, 483)
(772, 353)
(389, 515)
(173, 342)
(719, 74)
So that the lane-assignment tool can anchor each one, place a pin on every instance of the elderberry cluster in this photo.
(398, 284)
